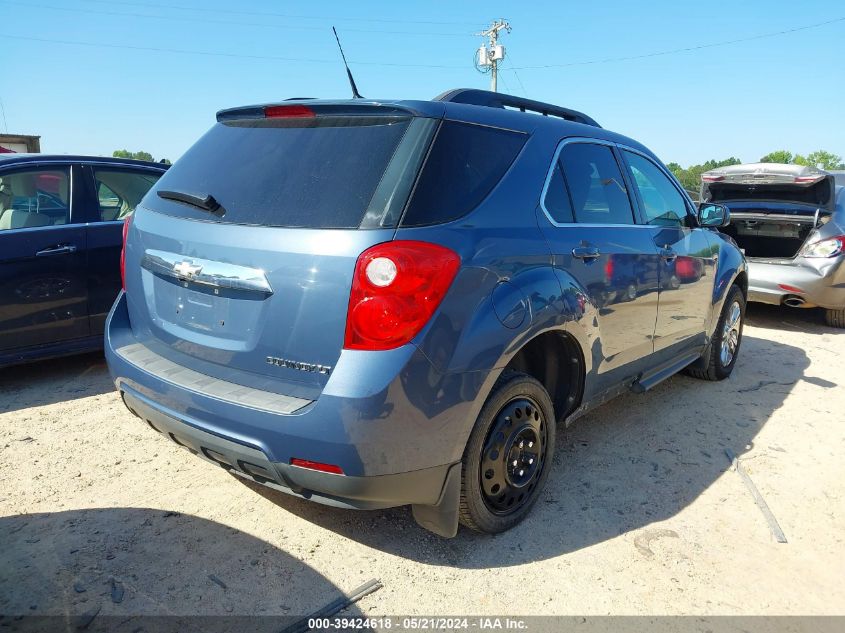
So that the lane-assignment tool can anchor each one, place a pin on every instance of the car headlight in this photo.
(830, 247)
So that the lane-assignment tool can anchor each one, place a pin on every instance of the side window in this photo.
(119, 191)
(556, 201)
(34, 197)
(596, 187)
(465, 162)
(663, 204)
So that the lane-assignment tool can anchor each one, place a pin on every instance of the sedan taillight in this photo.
(830, 247)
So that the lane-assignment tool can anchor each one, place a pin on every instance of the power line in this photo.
(302, 60)
(224, 22)
(515, 74)
(279, 15)
(395, 65)
(685, 49)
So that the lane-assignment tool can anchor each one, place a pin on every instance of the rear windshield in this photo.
(339, 172)
(313, 173)
(818, 194)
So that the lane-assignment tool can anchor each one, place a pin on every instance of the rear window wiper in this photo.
(206, 202)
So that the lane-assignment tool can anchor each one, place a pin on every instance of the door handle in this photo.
(62, 249)
(668, 254)
(587, 253)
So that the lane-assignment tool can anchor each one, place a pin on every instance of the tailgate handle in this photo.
(206, 272)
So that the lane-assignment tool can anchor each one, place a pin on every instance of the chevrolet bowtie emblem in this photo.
(186, 269)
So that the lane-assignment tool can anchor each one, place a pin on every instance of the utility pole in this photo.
(489, 57)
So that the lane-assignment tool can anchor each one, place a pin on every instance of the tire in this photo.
(517, 417)
(712, 365)
(835, 318)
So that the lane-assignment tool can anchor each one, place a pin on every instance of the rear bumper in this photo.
(821, 282)
(394, 427)
(421, 487)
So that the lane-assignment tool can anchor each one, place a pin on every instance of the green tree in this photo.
(826, 159)
(778, 156)
(123, 153)
(690, 178)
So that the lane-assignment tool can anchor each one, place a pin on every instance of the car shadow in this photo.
(808, 320)
(123, 569)
(50, 381)
(637, 460)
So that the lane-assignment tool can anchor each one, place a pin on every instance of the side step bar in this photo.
(644, 383)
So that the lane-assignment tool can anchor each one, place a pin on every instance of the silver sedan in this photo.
(789, 220)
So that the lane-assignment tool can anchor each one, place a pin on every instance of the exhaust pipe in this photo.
(794, 301)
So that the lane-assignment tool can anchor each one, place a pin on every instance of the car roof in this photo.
(23, 159)
(500, 110)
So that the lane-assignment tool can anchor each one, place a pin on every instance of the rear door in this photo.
(595, 239)
(43, 294)
(686, 263)
(240, 259)
(112, 193)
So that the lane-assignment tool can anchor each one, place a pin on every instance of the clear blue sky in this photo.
(742, 99)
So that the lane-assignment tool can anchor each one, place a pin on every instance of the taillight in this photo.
(288, 112)
(830, 247)
(126, 224)
(608, 268)
(396, 288)
(712, 178)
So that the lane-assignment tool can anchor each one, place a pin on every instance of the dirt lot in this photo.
(641, 515)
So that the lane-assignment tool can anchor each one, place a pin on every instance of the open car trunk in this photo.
(774, 208)
(768, 236)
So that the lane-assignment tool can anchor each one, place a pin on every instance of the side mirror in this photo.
(714, 215)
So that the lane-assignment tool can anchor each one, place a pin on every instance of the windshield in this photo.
(312, 173)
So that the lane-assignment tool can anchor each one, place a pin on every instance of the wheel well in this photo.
(742, 281)
(555, 359)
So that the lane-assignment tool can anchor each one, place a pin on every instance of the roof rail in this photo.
(489, 99)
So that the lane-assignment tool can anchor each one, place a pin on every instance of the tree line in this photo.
(690, 177)
(125, 153)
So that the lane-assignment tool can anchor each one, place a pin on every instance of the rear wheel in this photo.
(508, 456)
(724, 346)
(835, 318)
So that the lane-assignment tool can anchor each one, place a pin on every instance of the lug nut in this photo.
(521, 472)
(514, 462)
(530, 461)
(520, 444)
(530, 444)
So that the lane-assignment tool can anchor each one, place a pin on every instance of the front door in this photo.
(686, 262)
(594, 238)
(43, 292)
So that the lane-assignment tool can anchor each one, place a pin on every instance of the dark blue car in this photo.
(61, 221)
(381, 303)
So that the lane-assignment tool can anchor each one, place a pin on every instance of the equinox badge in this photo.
(294, 364)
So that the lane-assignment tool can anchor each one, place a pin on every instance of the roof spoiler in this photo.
(489, 99)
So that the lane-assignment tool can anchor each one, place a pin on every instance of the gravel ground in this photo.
(641, 514)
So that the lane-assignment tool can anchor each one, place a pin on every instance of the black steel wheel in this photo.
(507, 458)
(513, 456)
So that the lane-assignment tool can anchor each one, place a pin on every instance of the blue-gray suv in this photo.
(383, 303)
